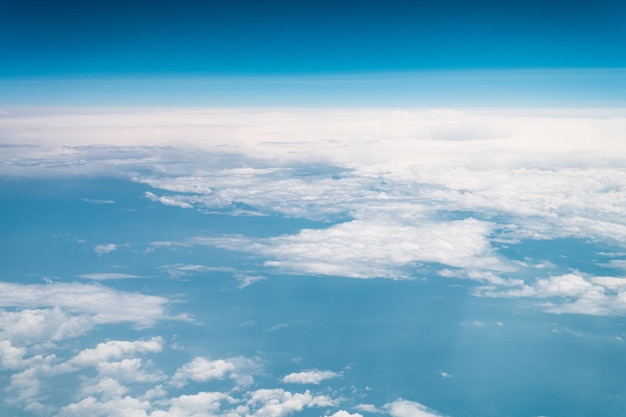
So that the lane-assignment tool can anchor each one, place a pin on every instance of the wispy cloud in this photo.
(314, 376)
(99, 202)
(105, 248)
(103, 276)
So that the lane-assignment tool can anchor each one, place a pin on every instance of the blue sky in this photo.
(71, 52)
(312, 209)
(282, 37)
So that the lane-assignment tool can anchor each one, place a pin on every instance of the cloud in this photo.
(280, 403)
(70, 309)
(239, 369)
(167, 201)
(11, 357)
(48, 324)
(103, 276)
(108, 389)
(114, 401)
(343, 413)
(571, 293)
(99, 202)
(202, 404)
(247, 280)
(104, 249)
(373, 248)
(116, 407)
(368, 408)
(116, 349)
(514, 137)
(202, 370)
(183, 270)
(405, 408)
(314, 376)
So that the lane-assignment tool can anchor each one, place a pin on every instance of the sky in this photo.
(316, 209)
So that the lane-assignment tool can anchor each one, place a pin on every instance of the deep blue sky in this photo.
(239, 37)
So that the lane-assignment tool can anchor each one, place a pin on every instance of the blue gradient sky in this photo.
(312, 209)
(262, 42)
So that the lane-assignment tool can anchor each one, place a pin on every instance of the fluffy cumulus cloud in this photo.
(116, 407)
(201, 369)
(202, 404)
(314, 376)
(280, 403)
(405, 408)
(258, 403)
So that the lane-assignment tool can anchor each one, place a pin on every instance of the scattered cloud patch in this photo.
(201, 369)
(77, 307)
(280, 403)
(313, 376)
(368, 408)
(405, 408)
(571, 293)
(344, 413)
(104, 249)
(116, 349)
(167, 201)
(247, 280)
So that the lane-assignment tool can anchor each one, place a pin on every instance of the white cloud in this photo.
(116, 349)
(343, 413)
(128, 370)
(116, 407)
(108, 388)
(571, 293)
(201, 369)
(405, 408)
(314, 376)
(167, 200)
(616, 263)
(368, 408)
(11, 357)
(202, 404)
(104, 249)
(280, 403)
(247, 280)
(47, 324)
(364, 136)
(103, 276)
(99, 202)
(373, 247)
(71, 309)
